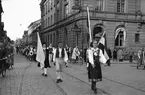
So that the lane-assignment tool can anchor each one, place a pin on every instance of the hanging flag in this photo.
(40, 57)
(88, 24)
(102, 44)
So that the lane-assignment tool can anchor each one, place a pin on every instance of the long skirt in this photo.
(95, 74)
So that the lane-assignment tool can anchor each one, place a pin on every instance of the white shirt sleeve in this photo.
(66, 56)
(54, 55)
(138, 54)
(90, 56)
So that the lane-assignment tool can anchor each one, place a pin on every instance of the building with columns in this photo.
(66, 21)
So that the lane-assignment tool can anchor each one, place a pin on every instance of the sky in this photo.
(18, 15)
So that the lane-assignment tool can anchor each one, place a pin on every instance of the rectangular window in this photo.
(137, 37)
(46, 8)
(54, 39)
(54, 17)
(48, 21)
(50, 38)
(51, 4)
(44, 23)
(66, 10)
(100, 5)
(58, 15)
(120, 6)
(51, 19)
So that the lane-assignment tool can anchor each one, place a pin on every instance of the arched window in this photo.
(120, 37)
(119, 40)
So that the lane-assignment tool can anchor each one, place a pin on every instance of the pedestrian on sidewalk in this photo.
(131, 54)
(59, 57)
(115, 54)
(95, 58)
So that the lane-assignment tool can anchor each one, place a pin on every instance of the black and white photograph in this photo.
(72, 47)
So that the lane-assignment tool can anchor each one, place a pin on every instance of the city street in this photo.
(26, 79)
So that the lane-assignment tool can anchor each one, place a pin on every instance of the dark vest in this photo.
(62, 53)
(50, 50)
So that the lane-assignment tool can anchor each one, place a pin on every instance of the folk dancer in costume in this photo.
(50, 53)
(95, 58)
(31, 53)
(67, 51)
(75, 54)
(59, 57)
(46, 62)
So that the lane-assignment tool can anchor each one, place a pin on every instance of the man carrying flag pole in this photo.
(40, 57)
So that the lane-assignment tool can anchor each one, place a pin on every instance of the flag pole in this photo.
(89, 24)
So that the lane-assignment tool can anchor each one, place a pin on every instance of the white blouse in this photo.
(90, 53)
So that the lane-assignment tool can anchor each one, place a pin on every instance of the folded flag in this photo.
(40, 57)
(103, 46)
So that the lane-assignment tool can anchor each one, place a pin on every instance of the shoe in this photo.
(49, 66)
(92, 88)
(42, 74)
(95, 90)
(66, 66)
(57, 81)
(45, 75)
(60, 80)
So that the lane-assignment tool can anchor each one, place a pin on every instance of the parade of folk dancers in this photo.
(72, 47)
(60, 57)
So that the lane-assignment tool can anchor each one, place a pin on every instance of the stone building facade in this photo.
(66, 21)
(33, 28)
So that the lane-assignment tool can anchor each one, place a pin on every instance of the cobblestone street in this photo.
(26, 79)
